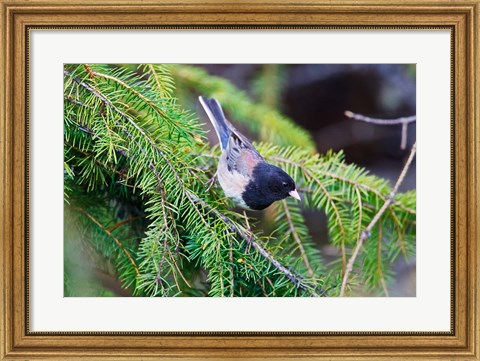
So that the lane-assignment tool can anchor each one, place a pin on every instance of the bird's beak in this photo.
(295, 194)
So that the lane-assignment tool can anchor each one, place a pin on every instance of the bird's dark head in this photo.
(280, 184)
(269, 184)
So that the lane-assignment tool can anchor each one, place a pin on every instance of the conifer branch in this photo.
(398, 227)
(363, 118)
(99, 95)
(360, 211)
(119, 244)
(338, 219)
(295, 236)
(155, 77)
(150, 102)
(77, 102)
(340, 178)
(162, 162)
(367, 231)
(165, 211)
(280, 129)
(194, 199)
(337, 214)
(96, 160)
(230, 258)
(123, 222)
(163, 84)
(379, 260)
(124, 116)
(295, 279)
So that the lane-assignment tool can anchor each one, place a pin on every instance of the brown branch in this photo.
(296, 238)
(379, 260)
(367, 231)
(295, 279)
(119, 244)
(404, 121)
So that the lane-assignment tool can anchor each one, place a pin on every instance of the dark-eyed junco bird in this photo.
(243, 173)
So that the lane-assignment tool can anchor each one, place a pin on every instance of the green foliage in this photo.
(137, 206)
(268, 85)
(260, 119)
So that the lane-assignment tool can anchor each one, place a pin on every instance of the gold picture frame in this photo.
(461, 18)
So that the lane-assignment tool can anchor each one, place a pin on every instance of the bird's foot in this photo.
(248, 230)
(211, 182)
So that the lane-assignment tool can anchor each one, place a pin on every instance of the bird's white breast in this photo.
(232, 182)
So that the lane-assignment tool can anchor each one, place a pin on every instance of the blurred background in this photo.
(315, 96)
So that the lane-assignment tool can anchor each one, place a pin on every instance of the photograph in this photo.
(239, 180)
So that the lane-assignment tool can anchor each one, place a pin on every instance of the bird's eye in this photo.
(284, 184)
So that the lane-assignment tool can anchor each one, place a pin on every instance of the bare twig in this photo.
(404, 121)
(309, 174)
(366, 232)
(295, 279)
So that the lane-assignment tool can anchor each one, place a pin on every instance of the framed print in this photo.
(143, 240)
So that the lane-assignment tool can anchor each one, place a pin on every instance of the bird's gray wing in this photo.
(241, 156)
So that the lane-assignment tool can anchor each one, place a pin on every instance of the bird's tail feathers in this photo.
(220, 123)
